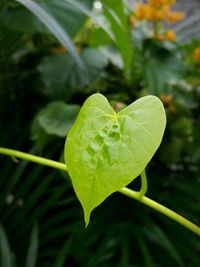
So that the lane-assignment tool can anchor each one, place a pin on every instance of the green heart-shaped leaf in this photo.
(105, 151)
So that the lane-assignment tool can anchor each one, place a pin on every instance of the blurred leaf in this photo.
(114, 11)
(171, 150)
(95, 62)
(33, 247)
(96, 16)
(98, 37)
(63, 253)
(182, 127)
(20, 19)
(57, 118)
(161, 66)
(60, 72)
(6, 256)
(54, 27)
(67, 15)
(113, 55)
(159, 236)
(39, 135)
(149, 262)
(115, 23)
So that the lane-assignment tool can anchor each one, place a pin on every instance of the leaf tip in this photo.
(87, 218)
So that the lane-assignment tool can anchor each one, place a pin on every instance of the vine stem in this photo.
(162, 209)
(36, 159)
(143, 189)
(125, 191)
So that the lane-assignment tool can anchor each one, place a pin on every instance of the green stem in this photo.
(126, 191)
(143, 189)
(36, 159)
(162, 209)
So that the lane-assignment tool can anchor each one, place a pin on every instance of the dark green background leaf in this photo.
(60, 72)
(161, 67)
(115, 13)
(57, 118)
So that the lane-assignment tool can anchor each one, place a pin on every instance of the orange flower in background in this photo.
(170, 35)
(162, 13)
(172, 109)
(148, 12)
(144, 12)
(158, 3)
(159, 37)
(158, 11)
(58, 50)
(154, 2)
(173, 17)
(62, 50)
(139, 14)
(166, 99)
(196, 55)
(155, 10)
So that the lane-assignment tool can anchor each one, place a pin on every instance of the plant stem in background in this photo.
(126, 191)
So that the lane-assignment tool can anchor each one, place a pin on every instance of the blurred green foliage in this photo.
(41, 91)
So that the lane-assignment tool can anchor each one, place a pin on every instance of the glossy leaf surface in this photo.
(105, 150)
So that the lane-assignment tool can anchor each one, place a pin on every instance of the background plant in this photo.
(41, 92)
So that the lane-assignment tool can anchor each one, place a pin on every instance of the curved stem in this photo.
(143, 189)
(126, 191)
(162, 209)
